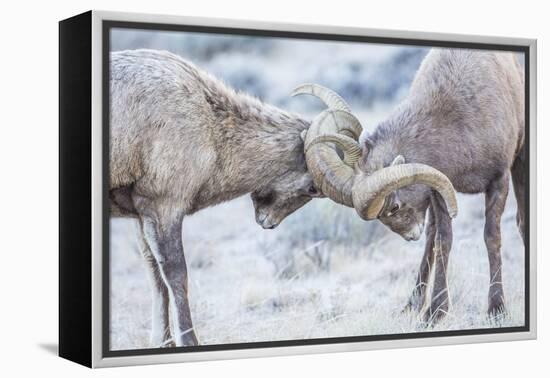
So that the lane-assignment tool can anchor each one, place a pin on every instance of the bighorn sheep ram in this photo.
(464, 118)
(182, 141)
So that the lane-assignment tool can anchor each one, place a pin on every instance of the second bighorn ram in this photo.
(463, 119)
(181, 141)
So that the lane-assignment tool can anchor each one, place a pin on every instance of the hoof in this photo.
(408, 308)
(168, 344)
(435, 314)
(496, 311)
(415, 303)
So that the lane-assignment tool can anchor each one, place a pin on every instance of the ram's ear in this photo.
(303, 135)
(363, 137)
(399, 159)
(366, 145)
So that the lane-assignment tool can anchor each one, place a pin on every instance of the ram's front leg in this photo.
(439, 305)
(162, 231)
(418, 296)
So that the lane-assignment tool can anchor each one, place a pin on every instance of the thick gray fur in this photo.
(465, 116)
(181, 141)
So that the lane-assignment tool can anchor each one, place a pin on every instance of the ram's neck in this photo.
(407, 132)
(259, 142)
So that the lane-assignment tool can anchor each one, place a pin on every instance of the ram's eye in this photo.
(394, 209)
(312, 190)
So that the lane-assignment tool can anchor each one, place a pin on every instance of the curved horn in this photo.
(331, 99)
(346, 123)
(369, 192)
(332, 121)
(330, 173)
(340, 122)
(350, 148)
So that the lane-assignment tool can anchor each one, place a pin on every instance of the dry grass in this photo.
(322, 273)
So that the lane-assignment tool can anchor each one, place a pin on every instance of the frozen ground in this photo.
(339, 276)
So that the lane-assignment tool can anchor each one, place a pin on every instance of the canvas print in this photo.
(289, 189)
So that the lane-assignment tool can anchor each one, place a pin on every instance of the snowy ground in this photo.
(339, 276)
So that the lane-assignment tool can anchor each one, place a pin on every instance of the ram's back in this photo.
(471, 102)
(158, 118)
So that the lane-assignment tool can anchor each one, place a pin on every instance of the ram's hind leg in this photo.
(418, 296)
(160, 324)
(163, 234)
(495, 201)
(519, 178)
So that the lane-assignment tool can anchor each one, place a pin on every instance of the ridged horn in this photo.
(369, 191)
(331, 99)
(350, 148)
(346, 123)
(330, 173)
(340, 122)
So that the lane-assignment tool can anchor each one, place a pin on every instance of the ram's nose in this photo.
(263, 220)
(267, 225)
(415, 233)
(260, 218)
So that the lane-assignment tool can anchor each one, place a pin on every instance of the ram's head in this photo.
(333, 156)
